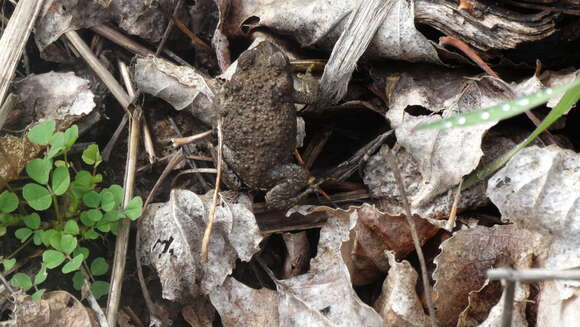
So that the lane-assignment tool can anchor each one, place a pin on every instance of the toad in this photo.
(259, 124)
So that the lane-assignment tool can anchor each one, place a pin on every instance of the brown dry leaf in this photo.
(465, 259)
(181, 86)
(171, 235)
(136, 17)
(55, 309)
(200, 313)
(399, 304)
(14, 154)
(538, 190)
(374, 233)
(324, 296)
(478, 311)
(240, 305)
(55, 96)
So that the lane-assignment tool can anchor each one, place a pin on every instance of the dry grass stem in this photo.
(210, 218)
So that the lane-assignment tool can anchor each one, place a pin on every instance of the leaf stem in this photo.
(55, 205)
(13, 254)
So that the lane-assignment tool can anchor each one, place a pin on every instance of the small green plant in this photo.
(509, 109)
(81, 211)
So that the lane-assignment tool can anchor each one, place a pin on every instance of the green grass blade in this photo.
(567, 101)
(501, 111)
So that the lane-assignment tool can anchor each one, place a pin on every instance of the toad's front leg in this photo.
(288, 182)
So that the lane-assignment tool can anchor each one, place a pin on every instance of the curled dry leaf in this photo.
(240, 305)
(311, 299)
(398, 303)
(374, 233)
(55, 309)
(443, 156)
(558, 307)
(200, 313)
(322, 297)
(478, 311)
(15, 152)
(135, 17)
(465, 259)
(171, 235)
(55, 96)
(181, 86)
(320, 23)
(538, 190)
(546, 79)
(378, 176)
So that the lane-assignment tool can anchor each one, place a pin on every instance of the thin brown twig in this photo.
(168, 28)
(210, 218)
(453, 212)
(460, 45)
(194, 39)
(393, 162)
(176, 158)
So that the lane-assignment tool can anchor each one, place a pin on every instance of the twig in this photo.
(176, 158)
(393, 162)
(115, 36)
(111, 144)
(460, 45)
(14, 40)
(453, 212)
(168, 28)
(106, 76)
(208, 228)
(532, 275)
(124, 225)
(100, 315)
(6, 284)
(134, 318)
(187, 149)
(179, 141)
(194, 39)
(508, 303)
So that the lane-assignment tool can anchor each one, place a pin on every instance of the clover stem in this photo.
(55, 205)
(13, 254)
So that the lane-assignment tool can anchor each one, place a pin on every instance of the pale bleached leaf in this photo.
(171, 235)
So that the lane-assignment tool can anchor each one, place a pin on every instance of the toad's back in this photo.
(259, 120)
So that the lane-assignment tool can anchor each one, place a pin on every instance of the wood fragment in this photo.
(362, 25)
(13, 41)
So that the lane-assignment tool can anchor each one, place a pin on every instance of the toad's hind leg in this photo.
(288, 180)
